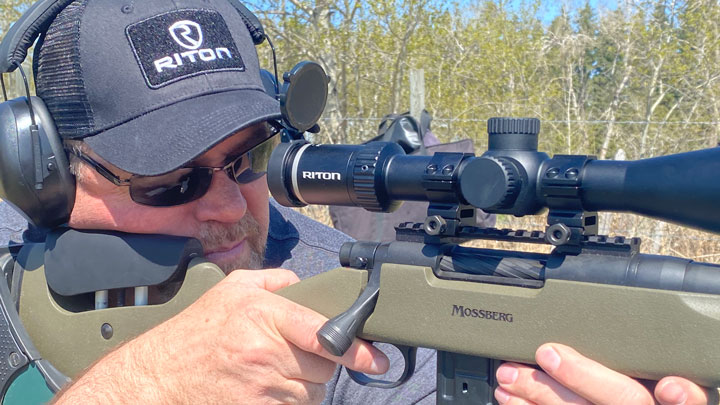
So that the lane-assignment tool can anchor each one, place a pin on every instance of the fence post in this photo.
(417, 92)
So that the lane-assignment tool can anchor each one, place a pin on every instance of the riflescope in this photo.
(512, 177)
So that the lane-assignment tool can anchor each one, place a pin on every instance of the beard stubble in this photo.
(213, 235)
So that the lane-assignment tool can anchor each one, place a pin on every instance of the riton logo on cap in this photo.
(187, 40)
(182, 32)
(183, 43)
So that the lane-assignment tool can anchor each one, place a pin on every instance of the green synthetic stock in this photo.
(640, 332)
(72, 341)
(644, 333)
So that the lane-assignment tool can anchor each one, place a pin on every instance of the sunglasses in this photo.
(188, 184)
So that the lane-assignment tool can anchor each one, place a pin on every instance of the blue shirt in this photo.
(12, 225)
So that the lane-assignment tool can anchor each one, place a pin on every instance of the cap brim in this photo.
(166, 139)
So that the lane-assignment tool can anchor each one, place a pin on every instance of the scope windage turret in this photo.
(512, 177)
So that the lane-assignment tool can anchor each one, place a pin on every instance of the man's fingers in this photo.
(309, 366)
(676, 391)
(299, 325)
(365, 358)
(505, 398)
(270, 279)
(581, 375)
(520, 381)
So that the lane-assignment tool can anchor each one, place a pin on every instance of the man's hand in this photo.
(239, 343)
(570, 378)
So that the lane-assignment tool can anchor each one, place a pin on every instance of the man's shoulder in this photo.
(12, 224)
(286, 223)
(301, 244)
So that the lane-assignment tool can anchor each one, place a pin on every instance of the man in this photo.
(161, 106)
(145, 126)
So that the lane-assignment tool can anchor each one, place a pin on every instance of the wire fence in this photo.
(596, 122)
(638, 138)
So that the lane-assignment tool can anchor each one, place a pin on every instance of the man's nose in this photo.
(223, 202)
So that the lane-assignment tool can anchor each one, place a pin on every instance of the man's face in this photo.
(230, 220)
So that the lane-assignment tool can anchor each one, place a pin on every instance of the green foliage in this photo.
(642, 77)
(10, 11)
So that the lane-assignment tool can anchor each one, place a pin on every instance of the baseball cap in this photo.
(151, 85)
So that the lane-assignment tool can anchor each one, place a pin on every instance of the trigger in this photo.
(408, 353)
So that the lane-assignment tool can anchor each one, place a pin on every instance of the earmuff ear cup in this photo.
(43, 191)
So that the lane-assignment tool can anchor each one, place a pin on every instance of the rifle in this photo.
(635, 313)
(475, 306)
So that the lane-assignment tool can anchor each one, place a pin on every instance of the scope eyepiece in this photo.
(301, 173)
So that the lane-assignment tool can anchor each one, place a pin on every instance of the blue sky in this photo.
(553, 8)
(550, 9)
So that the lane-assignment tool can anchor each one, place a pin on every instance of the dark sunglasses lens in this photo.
(253, 165)
(241, 164)
(176, 188)
(260, 155)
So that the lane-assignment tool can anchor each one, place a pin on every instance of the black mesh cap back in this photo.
(58, 75)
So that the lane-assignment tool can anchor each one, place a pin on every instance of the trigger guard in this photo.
(409, 354)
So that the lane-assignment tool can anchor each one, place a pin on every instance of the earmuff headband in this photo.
(24, 32)
(257, 32)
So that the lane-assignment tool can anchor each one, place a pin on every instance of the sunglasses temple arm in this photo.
(103, 171)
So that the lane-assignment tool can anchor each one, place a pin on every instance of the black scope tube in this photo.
(682, 188)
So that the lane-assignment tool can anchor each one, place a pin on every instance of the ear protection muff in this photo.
(35, 176)
(34, 173)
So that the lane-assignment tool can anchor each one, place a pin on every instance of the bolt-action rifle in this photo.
(647, 316)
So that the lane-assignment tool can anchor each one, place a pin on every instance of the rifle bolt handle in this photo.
(333, 339)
